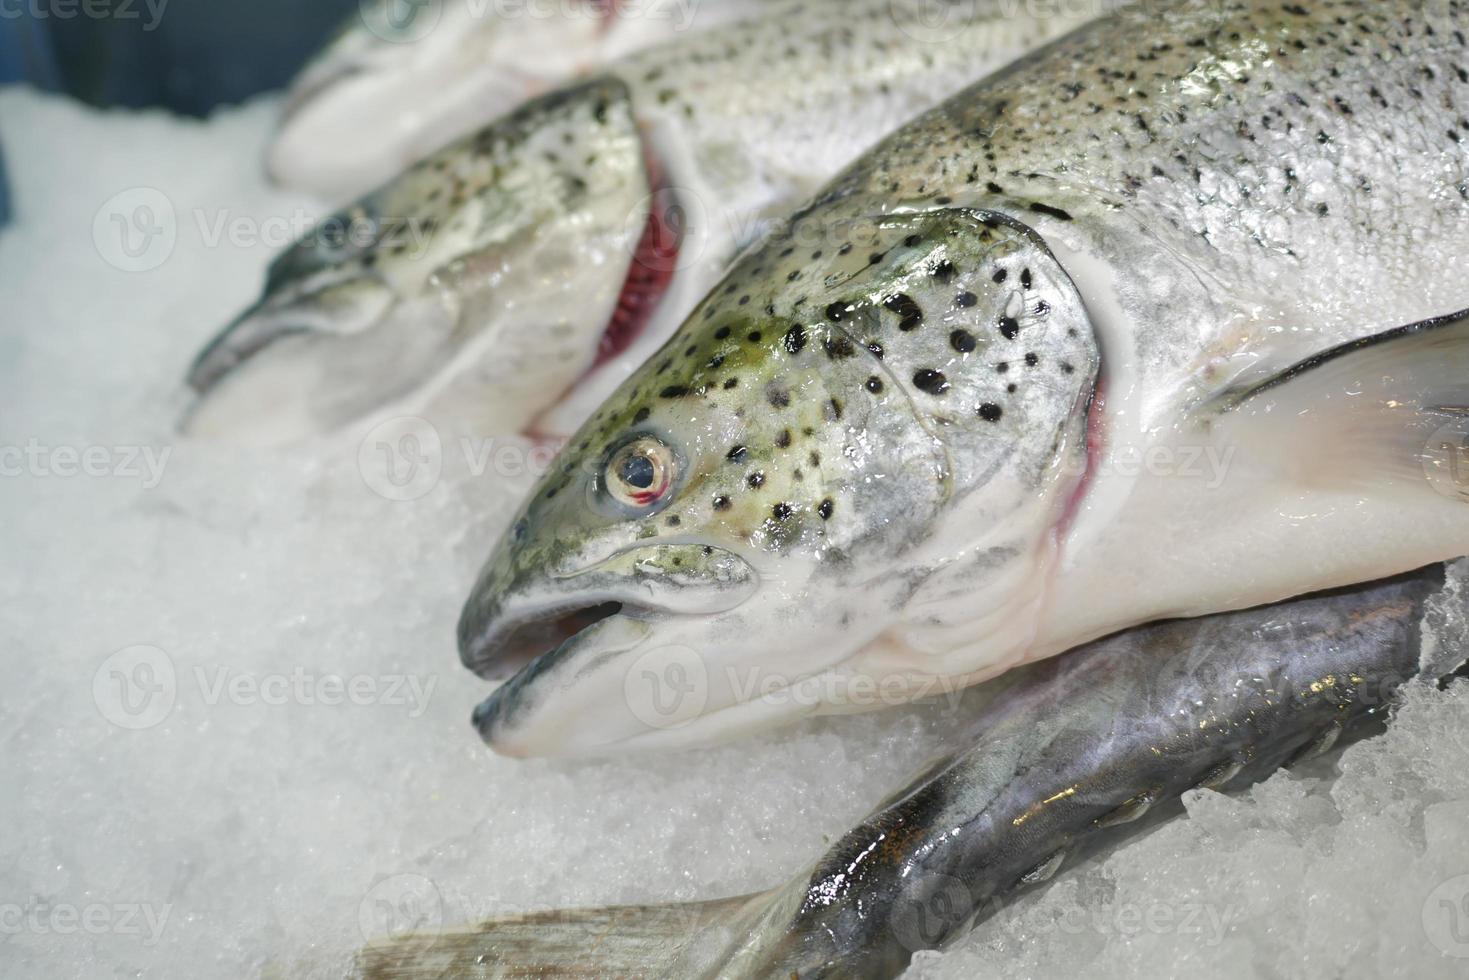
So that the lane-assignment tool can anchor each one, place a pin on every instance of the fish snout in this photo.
(516, 616)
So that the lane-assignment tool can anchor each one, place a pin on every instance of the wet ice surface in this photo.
(180, 797)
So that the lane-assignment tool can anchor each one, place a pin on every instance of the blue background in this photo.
(200, 53)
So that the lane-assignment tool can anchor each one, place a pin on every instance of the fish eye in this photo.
(640, 473)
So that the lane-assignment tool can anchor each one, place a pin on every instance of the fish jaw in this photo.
(473, 287)
(396, 88)
(837, 417)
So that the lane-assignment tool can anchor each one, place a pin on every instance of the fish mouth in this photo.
(502, 653)
(556, 640)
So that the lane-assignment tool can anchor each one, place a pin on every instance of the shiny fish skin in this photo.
(1062, 760)
(743, 123)
(1134, 241)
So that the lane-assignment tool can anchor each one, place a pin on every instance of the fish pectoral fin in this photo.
(635, 940)
(1390, 409)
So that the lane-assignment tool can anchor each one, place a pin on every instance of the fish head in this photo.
(475, 286)
(824, 480)
(401, 79)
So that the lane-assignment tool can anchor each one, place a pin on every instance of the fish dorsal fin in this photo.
(1392, 408)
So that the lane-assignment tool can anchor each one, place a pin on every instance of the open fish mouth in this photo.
(571, 640)
(500, 654)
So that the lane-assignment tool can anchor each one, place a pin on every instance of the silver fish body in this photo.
(1063, 759)
(1082, 348)
(735, 128)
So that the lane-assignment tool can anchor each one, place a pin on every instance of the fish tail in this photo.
(631, 941)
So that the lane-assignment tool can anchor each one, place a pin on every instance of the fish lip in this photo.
(498, 631)
(226, 353)
(501, 652)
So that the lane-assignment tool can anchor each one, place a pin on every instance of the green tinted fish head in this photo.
(772, 517)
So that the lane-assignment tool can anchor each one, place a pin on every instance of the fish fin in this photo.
(641, 941)
(1390, 408)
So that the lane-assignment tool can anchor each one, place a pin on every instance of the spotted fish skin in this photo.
(743, 124)
(1182, 198)
(400, 81)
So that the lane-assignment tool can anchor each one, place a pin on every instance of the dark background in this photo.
(200, 54)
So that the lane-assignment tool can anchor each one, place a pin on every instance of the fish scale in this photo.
(1031, 372)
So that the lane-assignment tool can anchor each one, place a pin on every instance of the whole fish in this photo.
(480, 286)
(403, 78)
(1161, 321)
(1064, 758)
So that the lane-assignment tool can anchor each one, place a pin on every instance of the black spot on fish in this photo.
(781, 512)
(833, 410)
(1032, 360)
(838, 311)
(777, 394)
(931, 381)
(965, 300)
(1046, 209)
(991, 412)
(1009, 327)
(784, 439)
(962, 341)
(826, 509)
(876, 349)
(754, 337)
(1000, 276)
(874, 385)
(944, 272)
(909, 312)
(755, 480)
(674, 391)
(737, 455)
(1025, 279)
(722, 333)
(721, 502)
(674, 520)
(838, 348)
(641, 416)
(731, 383)
(795, 339)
